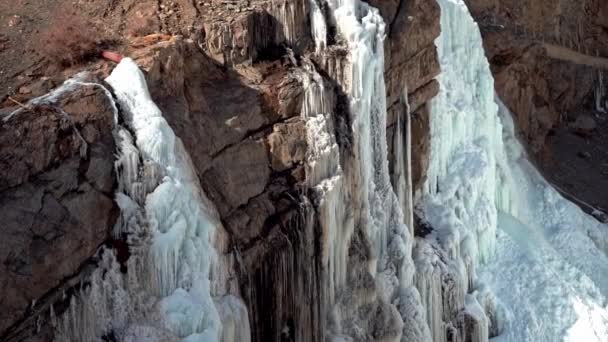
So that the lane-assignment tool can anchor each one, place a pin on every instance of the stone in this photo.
(56, 205)
(287, 145)
(237, 174)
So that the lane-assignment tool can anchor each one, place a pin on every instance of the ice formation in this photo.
(359, 196)
(508, 257)
(175, 287)
(499, 227)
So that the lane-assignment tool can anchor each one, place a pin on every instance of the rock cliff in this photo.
(549, 60)
(246, 87)
(231, 78)
(57, 202)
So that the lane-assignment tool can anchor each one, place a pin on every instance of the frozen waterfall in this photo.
(531, 265)
(357, 202)
(176, 287)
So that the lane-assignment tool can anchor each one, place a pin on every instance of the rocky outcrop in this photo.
(411, 66)
(538, 52)
(56, 197)
(230, 78)
(548, 59)
(247, 140)
(237, 105)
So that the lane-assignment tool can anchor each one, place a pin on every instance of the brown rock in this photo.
(537, 51)
(55, 202)
(142, 19)
(237, 174)
(287, 145)
(412, 64)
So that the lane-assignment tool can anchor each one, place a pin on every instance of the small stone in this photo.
(25, 90)
(14, 21)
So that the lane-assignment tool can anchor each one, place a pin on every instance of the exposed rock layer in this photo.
(56, 196)
(233, 91)
(547, 58)
(543, 88)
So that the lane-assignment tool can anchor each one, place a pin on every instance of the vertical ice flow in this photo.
(181, 254)
(601, 93)
(175, 285)
(182, 221)
(365, 184)
(543, 257)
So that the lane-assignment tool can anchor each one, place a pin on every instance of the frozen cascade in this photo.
(527, 265)
(177, 286)
(360, 197)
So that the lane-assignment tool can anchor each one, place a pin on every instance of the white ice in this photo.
(361, 195)
(182, 221)
(543, 257)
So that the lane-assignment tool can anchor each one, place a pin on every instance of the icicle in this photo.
(318, 26)
(180, 254)
(291, 14)
(402, 147)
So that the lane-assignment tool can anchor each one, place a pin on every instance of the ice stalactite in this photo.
(175, 286)
(366, 244)
(291, 14)
(460, 193)
(325, 176)
(526, 264)
(318, 26)
(402, 173)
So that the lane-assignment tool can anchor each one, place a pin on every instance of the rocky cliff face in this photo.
(56, 206)
(545, 56)
(248, 91)
(233, 87)
(252, 159)
(548, 59)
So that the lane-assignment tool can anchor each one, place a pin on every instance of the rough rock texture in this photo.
(56, 197)
(249, 158)
(537, 52)
(228, 77)
(547, 57)
(245, 93)
(411, 65)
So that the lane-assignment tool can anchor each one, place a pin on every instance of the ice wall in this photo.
(523, 264)
(175, 287)
(367, 246)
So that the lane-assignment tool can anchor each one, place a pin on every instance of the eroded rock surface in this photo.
(548, 59)
(56, 196)
(229, 78)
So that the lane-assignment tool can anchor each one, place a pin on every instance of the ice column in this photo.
(460, 192)
(402, 173)
(183, 222)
